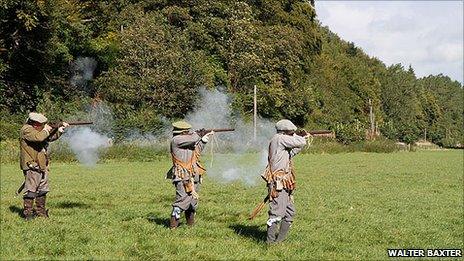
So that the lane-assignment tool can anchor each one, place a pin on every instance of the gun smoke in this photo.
(85, 144)
(246, 156)
(231, 156)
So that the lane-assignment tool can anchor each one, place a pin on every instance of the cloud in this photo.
(425, 34)
(398, 23)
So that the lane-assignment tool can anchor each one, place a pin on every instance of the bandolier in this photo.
(184, 169)
(279, 176)
(187, 170)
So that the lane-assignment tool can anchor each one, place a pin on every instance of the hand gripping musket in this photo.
(55, 127)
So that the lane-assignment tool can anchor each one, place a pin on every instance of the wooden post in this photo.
(372, 120)
(255, 113)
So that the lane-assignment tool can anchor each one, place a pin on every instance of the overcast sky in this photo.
(428, 35)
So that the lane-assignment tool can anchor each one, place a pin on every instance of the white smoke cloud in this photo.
(246, 157)
(85, 144)
(232, 156)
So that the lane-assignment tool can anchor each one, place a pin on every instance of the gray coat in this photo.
(183, 147)
(282, 148)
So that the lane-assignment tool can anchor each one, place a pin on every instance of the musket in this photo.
(202, 132)
(259, 207)
(20, 189)
(71, 123)
(303, 132)
(56, 125)
(217, 130)
(319, 132)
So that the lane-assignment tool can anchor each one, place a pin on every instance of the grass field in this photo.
(349, 206)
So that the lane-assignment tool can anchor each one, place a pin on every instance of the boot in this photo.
(271, 233)
(40, 204)
(284, 228)
(173, 223)
(190, 217)
(28, 212)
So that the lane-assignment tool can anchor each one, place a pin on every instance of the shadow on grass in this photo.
(254, 232)
(153, 217)
(70, 204)
(15, 209)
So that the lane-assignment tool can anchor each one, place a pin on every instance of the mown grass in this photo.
(349, 206)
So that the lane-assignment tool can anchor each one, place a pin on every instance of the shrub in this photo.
(322, 145)
(9, 151)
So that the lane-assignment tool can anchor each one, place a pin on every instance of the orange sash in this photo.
(287, 178)
(188, 168)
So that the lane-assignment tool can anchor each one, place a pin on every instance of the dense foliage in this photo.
(148, 59)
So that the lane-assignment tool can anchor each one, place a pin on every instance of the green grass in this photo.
(349, 206)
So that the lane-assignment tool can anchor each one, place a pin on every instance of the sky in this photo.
(428, 35)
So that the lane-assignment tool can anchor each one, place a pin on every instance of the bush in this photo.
(322, 145)
(350, 132)
(10, 125)
(10, 151)
(133, 152)
(136, 123)
(145, 151)
(60, 152)
(378, 146)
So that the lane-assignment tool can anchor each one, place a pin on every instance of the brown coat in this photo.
(33, 147)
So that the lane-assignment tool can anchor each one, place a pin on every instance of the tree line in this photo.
(152, 56)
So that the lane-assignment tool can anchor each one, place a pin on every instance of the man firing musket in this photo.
(35, 135)
(280, 179)
(186, 172)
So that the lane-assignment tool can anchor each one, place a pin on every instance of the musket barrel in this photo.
(71, 123)
(221, 130)
(80, 123)
(312, 132)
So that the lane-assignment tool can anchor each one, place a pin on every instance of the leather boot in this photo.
(173, 223)
(284, 228)
(271, 233)
(40, 204)
(27, 211)
(190, 217)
